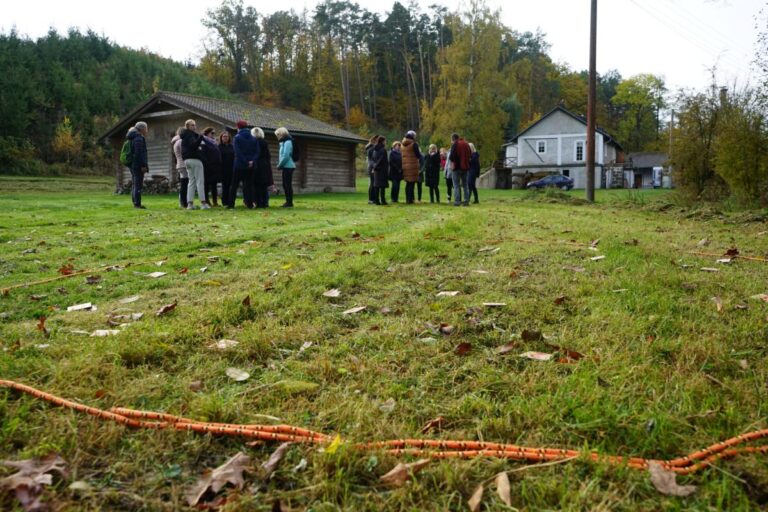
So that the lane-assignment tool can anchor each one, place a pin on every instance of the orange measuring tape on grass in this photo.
(435, 449)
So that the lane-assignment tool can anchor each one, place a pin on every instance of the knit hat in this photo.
(241, 124)
(410, 134)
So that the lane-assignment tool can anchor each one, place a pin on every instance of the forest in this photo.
(432, 70)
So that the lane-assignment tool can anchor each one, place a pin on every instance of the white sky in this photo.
(681, 40)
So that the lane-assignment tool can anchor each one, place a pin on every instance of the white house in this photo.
(557, 144)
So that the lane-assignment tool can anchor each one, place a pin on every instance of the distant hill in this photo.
(83, 77)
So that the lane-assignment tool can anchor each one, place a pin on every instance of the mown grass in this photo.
(663, 372)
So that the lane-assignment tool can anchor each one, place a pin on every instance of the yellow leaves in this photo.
(334, 446)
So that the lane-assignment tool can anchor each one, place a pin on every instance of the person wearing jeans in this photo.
(459, 156)
(286, 164)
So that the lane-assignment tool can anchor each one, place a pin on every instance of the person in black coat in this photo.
(395, 170)
(227, 151)
(474, 171)
(263, 180)
(140, 162)
(432, 173)
(380, 168)
(212, 166)
(246, 155)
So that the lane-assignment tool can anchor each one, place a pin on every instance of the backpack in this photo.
(296, 154)
(126, 153)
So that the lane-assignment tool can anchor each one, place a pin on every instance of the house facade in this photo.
(555, 144)
(328, 153)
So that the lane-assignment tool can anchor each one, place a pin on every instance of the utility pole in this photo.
(591, 100)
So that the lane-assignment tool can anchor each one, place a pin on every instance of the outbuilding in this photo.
(327, 153)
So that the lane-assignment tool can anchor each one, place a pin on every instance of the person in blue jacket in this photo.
(246, 155)
(286, 164)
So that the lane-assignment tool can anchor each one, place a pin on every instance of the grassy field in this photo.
(673, 361)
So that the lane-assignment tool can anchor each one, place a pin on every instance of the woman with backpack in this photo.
(286, 164)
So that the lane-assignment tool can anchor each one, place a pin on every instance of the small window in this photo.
(541, 146)
(579, 151)
(567, 172)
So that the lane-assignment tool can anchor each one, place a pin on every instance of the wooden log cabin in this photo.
(327, 153)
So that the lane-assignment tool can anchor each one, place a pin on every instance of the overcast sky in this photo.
(681, 40)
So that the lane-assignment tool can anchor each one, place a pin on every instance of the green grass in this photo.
(661, 375)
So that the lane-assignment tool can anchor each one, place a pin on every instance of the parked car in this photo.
(554, 180)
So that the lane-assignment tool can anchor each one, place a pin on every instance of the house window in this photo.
(567, 172)
(579, 151)
(541, 146)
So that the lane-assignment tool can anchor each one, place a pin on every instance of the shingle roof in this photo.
(228, 112)
(647, 159)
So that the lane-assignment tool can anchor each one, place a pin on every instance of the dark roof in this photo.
(228, 112)
(581, 119)
(647, 159)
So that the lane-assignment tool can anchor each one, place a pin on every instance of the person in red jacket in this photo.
(460, 155)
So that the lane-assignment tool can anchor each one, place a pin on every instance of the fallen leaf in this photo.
(100, 333)
(537, 356)
(732, 252)
(489, 249)
(196, 385)
(237, 374)
(703, 242)
(463, 349)
(448, 294)
(287, 266)
(433, 424)
(213, 259)
(620, 290)
(246, 301)
(92, 279)
(87, 306)
(740, 307)
(574, 269)
(305, 346)
(231, 472)
(634, 241)
(559, 300)
(166, 309)
(332, 293)
(665, 481)
(401, 473)
(476, 499)
(80, 486)
(67, 269)
(355, 234)
(744, 364)
(301, 466)
(494, 304)
(224, 344)
(597, 258)
(128, 300)
(335, 444)
(274, 460)
(480, 271)
(385, 310)
(531, 335)
(446, 329)
(184, 270)
(156, 275)
(388, 406)
(27, 484)
(761, 296)
(505, 349)
(709, 269)
(503, 488)
(41, 326)
(725, 261)
(718, 303)
(203, 269)
(354, 310)
(570, 354)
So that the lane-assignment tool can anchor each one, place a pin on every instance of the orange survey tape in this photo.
(435, 449)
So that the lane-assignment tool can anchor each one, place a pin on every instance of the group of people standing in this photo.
(203, 161)
(459, 164)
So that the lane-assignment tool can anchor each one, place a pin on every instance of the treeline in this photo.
(432, 70)
(59, 93)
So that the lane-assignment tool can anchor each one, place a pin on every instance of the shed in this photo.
(645, 169)
(327, 153)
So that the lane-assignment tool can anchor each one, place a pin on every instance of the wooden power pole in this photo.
(591, 124)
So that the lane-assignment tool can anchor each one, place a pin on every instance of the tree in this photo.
(237, 30)
(640, 100)
(66, 142)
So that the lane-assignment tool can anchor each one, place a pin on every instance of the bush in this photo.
(19, 157)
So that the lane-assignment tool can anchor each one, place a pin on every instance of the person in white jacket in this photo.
(447, 171)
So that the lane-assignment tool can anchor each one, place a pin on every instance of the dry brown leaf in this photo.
(463, 349)
(66, 269)
(446, 329)
(166, 309)
(92, 279)
(401, 473)
(230, 472)
(274, 460)
(570, 354)
(433, 424)
(476, 499)
(665, 482)
(594, 243)
(196, 385)
(505, 349)
(184, 270)
(246, 301)
(503, 489)
(32, 475)
(559, 300)
(527, 335)
(732, 252)
(41, 327)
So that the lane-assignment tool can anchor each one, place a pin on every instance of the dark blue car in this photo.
(554, 180)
